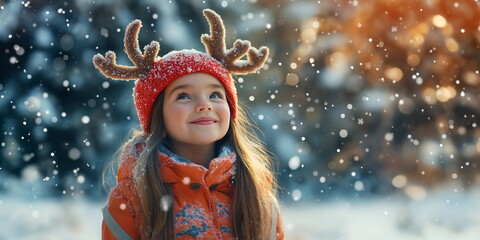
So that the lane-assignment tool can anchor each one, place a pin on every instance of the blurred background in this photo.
(371, 108)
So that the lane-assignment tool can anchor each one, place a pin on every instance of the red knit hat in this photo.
(172, 66)
(154, 76)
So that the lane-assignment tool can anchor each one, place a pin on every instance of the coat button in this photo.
(213, 186)
(195, 186)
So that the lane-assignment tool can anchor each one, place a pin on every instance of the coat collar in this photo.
(176, 169)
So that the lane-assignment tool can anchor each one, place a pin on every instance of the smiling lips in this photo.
(204, 121)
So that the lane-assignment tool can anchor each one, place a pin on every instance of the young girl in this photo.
(196, 170)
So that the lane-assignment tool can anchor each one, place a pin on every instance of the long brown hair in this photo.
(253, 199)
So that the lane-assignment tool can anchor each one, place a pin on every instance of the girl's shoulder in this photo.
(128, 158)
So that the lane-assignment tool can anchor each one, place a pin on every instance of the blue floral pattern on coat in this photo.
(185, 216)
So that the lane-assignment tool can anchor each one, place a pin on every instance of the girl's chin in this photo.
(204, 141)
(201, 141)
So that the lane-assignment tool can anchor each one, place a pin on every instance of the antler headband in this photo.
(155, 75)
(214, 45)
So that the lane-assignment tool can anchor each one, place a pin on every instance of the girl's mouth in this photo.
(204, 121)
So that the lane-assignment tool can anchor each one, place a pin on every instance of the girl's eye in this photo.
(183, 96)
(216, 95)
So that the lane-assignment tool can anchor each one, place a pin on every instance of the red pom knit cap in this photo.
(172, 66)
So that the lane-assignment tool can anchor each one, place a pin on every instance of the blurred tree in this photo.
(410, 72)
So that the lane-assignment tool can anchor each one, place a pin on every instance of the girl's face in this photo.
(195, 110)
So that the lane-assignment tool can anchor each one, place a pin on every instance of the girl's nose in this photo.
(203, 105)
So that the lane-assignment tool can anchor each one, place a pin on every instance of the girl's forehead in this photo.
(194, 80)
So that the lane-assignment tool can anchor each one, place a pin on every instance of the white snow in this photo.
(441, 216)
(49, 219)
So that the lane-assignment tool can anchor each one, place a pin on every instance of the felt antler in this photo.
(107, 65)
(215, 46)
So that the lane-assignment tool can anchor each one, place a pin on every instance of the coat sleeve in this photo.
(119, 220)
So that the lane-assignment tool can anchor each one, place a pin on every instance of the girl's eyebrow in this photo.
(179, 87)
(216, 85)
(186, 86)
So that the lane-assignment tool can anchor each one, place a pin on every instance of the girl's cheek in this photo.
(226, 111)
(181, 111)
(227, 108)
(222, 107)
(184, 110)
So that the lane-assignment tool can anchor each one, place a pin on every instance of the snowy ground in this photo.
(440, 216)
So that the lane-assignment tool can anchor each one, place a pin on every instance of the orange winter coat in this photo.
(202, 197)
